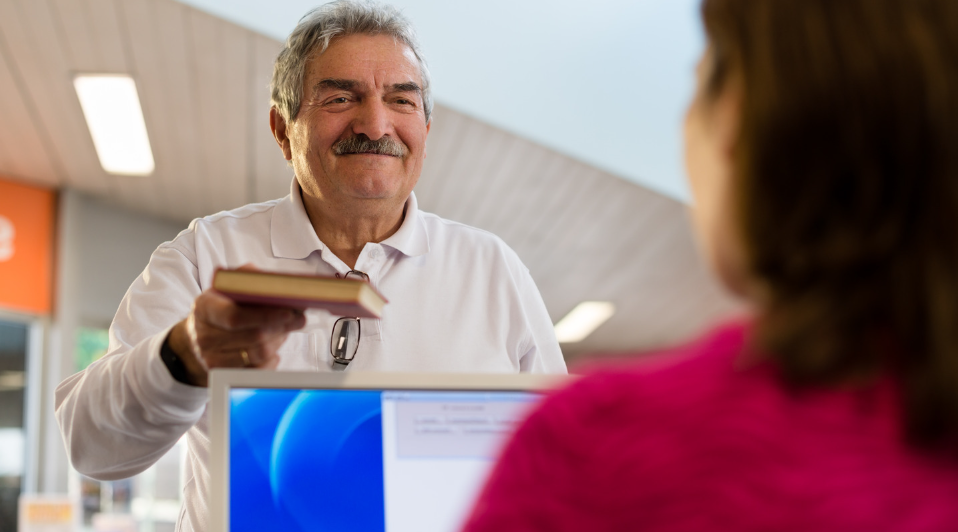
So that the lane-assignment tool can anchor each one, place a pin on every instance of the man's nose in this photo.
(372, 119)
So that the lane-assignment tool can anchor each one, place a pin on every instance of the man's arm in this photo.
(125, 411)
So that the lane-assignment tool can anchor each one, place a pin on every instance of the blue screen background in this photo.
(306, 461)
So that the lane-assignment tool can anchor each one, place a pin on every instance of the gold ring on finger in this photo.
(245, 356)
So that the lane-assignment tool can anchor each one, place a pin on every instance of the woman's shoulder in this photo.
(650, 437)
(685, 373)
(680, 392)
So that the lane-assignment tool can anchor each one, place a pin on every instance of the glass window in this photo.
(91, 344)
(13, 359)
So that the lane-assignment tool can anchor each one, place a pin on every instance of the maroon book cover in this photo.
(341, 297)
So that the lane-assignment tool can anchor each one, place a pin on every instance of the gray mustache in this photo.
(363, 144)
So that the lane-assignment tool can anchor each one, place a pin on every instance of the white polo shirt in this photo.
(460, 300)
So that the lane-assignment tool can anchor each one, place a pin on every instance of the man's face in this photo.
(362, 88)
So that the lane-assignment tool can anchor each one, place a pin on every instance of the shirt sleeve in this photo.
(124, 411)
(542, 354)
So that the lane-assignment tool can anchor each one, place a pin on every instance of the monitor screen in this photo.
(363, 460)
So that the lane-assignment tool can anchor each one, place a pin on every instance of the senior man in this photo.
(351, 112)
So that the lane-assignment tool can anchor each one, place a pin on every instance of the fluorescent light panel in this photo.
(112, 109)
(583, 320)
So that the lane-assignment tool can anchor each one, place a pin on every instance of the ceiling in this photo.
(584, 233)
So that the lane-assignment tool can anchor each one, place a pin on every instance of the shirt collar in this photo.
(292, 235)
(411, 239)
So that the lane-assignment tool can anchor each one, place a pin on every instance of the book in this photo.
(341, 297)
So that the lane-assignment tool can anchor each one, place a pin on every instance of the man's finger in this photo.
(215, 340)
(223, 313)
(219, 348)
(250, 354)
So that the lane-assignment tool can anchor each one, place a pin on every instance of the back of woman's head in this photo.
(846, 189)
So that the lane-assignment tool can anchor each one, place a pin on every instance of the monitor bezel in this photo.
(224, 380)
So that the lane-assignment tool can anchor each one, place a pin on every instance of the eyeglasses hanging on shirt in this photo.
(344, 340)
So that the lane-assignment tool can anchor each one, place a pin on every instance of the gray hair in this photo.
(315, 31)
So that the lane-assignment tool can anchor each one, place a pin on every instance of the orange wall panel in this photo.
(26, 247)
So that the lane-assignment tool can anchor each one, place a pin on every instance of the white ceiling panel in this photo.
(23, 143)
(163, 53)
(90, 36)
(38, 44)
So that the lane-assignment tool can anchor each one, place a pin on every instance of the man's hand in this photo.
(219, 333)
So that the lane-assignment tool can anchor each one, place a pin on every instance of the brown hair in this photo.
(846, 189)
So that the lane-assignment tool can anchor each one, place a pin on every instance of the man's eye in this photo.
(341, 99)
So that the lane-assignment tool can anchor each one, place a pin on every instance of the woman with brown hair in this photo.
(821, 150)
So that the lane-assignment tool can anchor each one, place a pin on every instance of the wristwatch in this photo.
(174, 363)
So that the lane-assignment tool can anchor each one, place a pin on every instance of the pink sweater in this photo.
(693, 442)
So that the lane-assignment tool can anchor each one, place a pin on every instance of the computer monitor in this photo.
(361, 452)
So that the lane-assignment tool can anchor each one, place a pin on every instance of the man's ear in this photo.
(428, 125)
(278, 126)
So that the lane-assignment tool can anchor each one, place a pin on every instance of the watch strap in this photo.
(174, 363)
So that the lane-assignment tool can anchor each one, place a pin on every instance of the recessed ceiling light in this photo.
(583, 320)
(112, 109)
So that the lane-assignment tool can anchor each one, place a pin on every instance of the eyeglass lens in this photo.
(344, 341)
